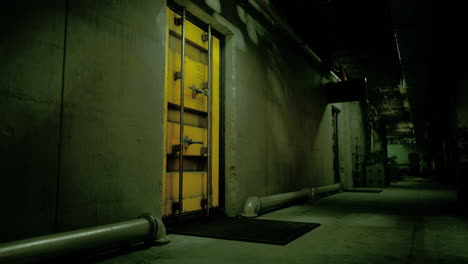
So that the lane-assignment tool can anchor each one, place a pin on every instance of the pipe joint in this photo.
(153, 227)
(314, 193)
(157, 230)
(251, 207)
(161, 235)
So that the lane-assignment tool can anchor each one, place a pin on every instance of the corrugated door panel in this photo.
(166, 204)
(191, 163)
(195, 119)
(196, 75)
(215, 122)
(194, 188)
(190, 118)
(194, 184)
(192, 32)
(194, 133)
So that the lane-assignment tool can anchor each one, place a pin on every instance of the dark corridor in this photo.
(118, 118)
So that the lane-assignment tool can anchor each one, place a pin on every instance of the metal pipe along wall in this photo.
(96, 239)
(254, 205)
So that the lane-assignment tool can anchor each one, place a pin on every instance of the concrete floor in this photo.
(410, 222)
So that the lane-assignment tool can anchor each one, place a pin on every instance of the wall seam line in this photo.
(60, 136)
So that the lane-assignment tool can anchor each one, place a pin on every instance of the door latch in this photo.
(196, 91)
(187, 142)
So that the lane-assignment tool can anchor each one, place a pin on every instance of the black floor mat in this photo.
(244, 229)
(363, 191)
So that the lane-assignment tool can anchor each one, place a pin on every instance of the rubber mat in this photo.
(244, 229)
(363, 191)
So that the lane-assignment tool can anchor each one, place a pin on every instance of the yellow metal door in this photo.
(195, 116)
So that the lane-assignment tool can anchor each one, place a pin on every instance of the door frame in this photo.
(221, 160)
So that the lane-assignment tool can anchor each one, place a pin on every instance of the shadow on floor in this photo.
(413, 221)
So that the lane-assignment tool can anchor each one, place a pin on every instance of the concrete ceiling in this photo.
(403, 47)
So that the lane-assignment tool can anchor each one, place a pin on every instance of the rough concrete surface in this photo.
(106, 164)
(278, 128)
(30, 87)
(402, 224)
(100, 159)
(113, 112)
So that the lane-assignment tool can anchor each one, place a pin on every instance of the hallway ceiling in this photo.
(403, 47)
(355, 37)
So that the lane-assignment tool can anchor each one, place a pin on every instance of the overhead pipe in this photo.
(146, 229)
(255, 205)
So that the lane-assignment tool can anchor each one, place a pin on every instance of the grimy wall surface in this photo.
(352, 144)
(81, 112)
(113, 100)
(278, 126)
(100, 161)
(31, 52)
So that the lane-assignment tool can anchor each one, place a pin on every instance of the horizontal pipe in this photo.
(273, 201)
(96, 239)
(328, 189)
(255, 205)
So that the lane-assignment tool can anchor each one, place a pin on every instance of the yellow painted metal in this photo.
(167, 72)
(191, 119)
(192, 32)
(194, 190)
(196, 67)
(215, 122)
(196, 75)
(194, 133)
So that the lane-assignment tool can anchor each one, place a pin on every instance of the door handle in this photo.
(196, 91)
(187, 142)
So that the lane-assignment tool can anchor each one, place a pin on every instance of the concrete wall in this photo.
(351, 143)
(104, 164)
(278, 126)
(278, 134)
(31, 52)
(113, 100)
(100, 159)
